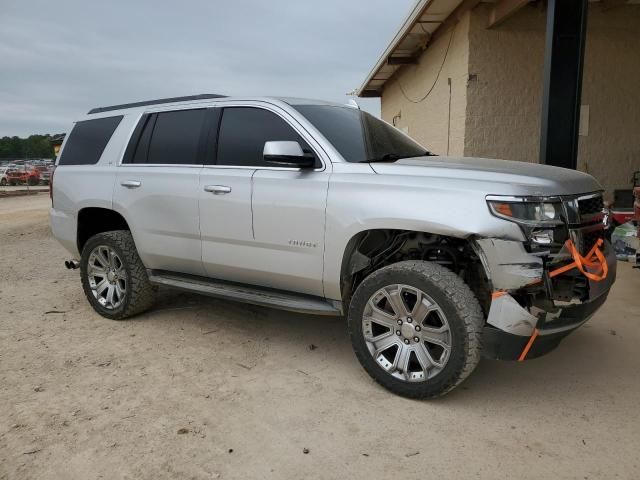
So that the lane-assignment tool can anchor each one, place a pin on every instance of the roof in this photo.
(427, 20)
(203, 96)
(206, 100)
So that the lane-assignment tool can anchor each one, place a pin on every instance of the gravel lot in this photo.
(200, 388)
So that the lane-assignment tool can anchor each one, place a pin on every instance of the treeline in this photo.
(35, 146)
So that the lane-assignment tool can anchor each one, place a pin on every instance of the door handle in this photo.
(217, 189)
(131, 183)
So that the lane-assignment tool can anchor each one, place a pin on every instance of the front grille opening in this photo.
(590, 239)
(590, 206)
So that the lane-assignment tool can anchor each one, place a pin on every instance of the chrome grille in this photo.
(584, 216)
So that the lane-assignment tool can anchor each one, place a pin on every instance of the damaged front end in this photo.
(545, 287)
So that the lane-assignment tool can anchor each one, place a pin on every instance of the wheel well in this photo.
(371, 250)
(94, 220)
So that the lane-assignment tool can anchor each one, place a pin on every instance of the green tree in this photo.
(35, 146)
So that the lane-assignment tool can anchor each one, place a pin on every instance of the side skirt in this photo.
(246, 293)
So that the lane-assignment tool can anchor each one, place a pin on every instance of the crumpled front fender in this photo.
(507, 264)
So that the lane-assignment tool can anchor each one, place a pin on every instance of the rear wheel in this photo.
(113, 277)
(416, 328)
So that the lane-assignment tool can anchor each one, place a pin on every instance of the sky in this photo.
(59, 59)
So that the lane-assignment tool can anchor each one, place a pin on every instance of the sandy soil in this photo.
(199, 388)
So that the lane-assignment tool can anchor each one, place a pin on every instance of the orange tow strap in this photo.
(527, 347)
(594, 260)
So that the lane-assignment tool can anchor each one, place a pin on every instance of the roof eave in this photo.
(407, 25)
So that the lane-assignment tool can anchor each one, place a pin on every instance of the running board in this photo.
(247, 294)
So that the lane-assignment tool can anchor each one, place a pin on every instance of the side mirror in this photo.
(287, 154)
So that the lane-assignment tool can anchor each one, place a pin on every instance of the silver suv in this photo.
(322, 208)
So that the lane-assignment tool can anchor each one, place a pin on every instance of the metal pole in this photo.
(563, 64)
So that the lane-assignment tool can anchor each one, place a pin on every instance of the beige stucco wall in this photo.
(428, 120)
(505, 96)
(505, 87)
(611, 88)
(497, 91)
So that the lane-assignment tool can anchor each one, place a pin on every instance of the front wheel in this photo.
(113, 277)
(416, 328)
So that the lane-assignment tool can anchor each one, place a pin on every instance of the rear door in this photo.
(156, 189)
(225, 208)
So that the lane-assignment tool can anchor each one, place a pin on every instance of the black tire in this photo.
(3, 182)
(458, 304)
(140, 294)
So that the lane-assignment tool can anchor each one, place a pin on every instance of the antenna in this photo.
(352, 103)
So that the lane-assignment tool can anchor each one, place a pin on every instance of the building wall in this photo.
(505, 88)
(428, 121)
(611, 88)
(504, 96)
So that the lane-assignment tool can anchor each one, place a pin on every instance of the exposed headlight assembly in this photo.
(531, 211)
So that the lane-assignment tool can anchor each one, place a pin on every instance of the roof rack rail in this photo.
(159, 101)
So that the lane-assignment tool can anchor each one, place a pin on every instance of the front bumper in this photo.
(511, 323)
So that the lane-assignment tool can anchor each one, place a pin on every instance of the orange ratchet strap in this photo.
(594, 260)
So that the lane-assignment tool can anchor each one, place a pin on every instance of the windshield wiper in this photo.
(388, 157)
(392, 157)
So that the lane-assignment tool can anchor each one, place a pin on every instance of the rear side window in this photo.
(245, 130)
(170, 138)
(88, 140)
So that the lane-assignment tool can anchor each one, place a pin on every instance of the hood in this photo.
(500, 177)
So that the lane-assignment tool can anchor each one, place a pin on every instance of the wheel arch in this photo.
(94, 220)
(398, 245)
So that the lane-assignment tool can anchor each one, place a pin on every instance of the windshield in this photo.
(359, 136)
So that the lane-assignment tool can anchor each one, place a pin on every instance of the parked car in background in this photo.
(322, 208)
(636, 208)
(23, 174)
(44, 171)
(3, 176)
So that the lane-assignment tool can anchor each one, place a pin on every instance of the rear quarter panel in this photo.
(80, 186)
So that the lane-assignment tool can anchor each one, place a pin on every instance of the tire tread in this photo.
(140, 292)
(467, 307)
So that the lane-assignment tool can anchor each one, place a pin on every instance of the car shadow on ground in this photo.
(572, 371)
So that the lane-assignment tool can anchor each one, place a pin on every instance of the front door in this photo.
(264, 225)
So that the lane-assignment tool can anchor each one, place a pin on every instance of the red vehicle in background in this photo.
(18, 174)
(621, 210)
(636, 208)
(45, 173)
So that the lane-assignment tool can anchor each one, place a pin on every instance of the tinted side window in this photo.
(171, 138)
(244, 131)
(88, 140)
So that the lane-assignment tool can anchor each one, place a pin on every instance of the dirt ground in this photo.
(199, 388)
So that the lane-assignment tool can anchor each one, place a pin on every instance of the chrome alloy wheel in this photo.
(406, 333)
(107, 277)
